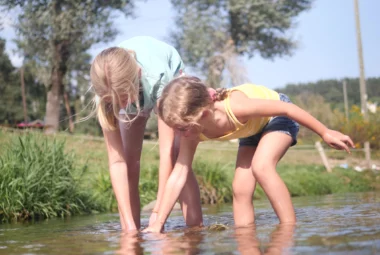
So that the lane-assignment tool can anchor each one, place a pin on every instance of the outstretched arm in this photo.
(245, 108)
(175, 182)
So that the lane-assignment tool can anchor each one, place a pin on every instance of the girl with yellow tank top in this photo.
(265, 123)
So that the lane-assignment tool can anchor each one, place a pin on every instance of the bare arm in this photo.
(167, 157)
(119, 177)
(175, 182)
(245, 108)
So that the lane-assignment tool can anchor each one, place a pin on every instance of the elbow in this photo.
(289, 111)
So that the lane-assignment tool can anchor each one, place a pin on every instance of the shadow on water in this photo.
(335, 224)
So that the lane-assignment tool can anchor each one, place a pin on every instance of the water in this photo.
(334, 224)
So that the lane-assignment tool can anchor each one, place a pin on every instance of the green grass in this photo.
(38, 179)
(314, 180)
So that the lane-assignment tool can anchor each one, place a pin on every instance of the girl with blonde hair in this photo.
(265, 123)
(127, 81)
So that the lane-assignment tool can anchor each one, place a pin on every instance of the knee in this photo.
(242, 191)
(261, 170)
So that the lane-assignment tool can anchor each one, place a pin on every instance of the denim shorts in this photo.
(278, 123)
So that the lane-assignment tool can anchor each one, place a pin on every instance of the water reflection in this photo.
(198, 240)
(337, 224)
(130, 243)
(280, 241)
(179, 242)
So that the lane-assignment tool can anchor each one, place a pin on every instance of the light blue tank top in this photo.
(160, 63)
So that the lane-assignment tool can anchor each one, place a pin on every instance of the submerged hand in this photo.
(154, 228)
(152, 218)
(337, 140)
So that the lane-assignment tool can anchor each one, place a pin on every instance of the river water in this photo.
(333, 224)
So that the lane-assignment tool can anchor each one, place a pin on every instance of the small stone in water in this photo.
(217, 227)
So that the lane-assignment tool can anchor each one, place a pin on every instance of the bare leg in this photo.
(243, 186)
(133, 136)
(270, 149)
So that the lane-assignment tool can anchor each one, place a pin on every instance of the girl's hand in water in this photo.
(337, 140)
(156, 227)
(152, 218)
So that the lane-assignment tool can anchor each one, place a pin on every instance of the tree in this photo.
(7, 86)
(11, 110)
(211, 32)
(52, 32)
(332, 90)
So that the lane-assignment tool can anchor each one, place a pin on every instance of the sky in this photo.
(326, 36)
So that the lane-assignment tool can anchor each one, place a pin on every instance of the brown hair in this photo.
(115, 79)
(183, 101)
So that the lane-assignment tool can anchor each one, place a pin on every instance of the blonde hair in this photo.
(183, 101)
(115, 79)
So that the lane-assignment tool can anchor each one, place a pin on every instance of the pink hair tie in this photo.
(212, 94)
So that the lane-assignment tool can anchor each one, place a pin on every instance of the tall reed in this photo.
(38, 179)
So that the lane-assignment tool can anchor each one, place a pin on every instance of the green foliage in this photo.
(316, 105)
(54, 35)
(324, 100)
(314, 180)
(103, 192)
(215, 185)
(8, 90)
(211, 32)
(362, 131)
(148, 186)
(89, 127)
(11, 109)
(332, 90)
(39, 180)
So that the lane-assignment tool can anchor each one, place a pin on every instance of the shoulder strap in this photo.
(230, 114)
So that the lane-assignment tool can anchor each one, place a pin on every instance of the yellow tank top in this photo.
(252, 126)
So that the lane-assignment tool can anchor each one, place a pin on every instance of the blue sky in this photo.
(325, 34)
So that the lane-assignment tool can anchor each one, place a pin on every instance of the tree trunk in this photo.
(23, 94)
(216, 67)
(52, 105)
(217, 64)
(68, 110)
(59, 68)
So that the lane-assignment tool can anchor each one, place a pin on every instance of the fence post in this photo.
(367, 152)
(319, 147)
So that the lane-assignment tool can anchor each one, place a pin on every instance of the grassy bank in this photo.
(38, 179)
(66, 175)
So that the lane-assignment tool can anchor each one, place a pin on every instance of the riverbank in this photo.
(83, 167)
